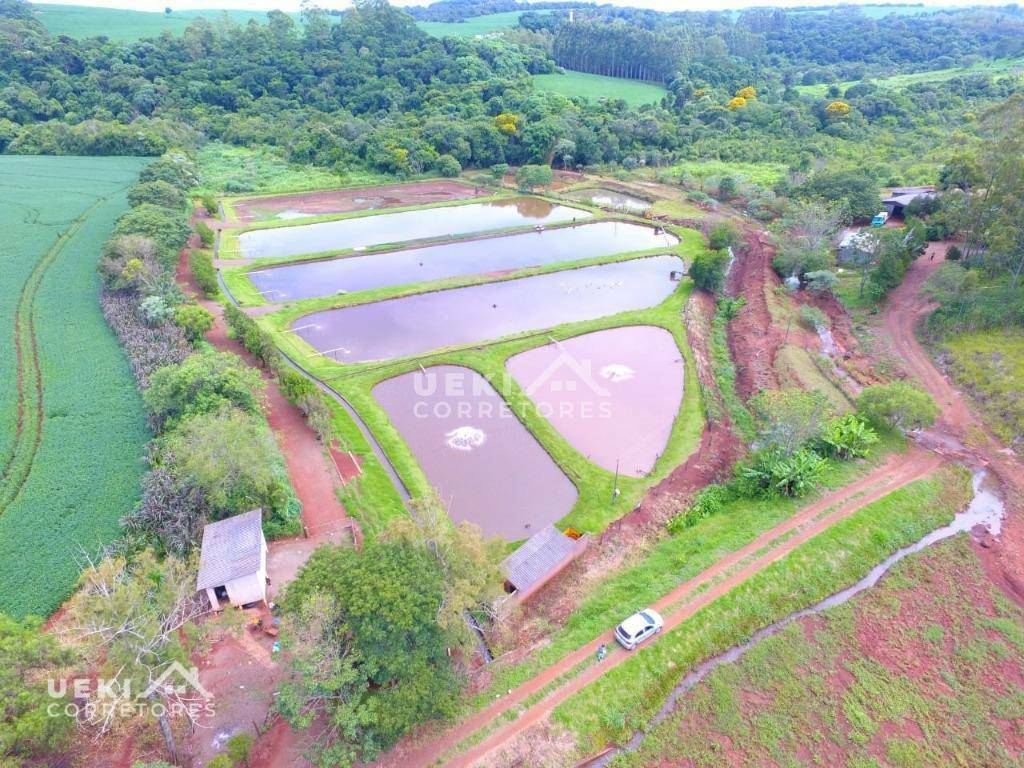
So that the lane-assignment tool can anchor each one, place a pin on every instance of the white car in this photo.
(638, 627)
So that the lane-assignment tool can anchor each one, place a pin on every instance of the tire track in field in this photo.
(521, 703)
(28, 434)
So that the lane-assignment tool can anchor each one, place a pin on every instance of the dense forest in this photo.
(372, 89)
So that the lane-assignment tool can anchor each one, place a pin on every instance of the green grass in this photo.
(121, 25)
(705, 171)
(670, 562)
(995, 68)
(625, 698)
(478, 25)
(924, 664)
(68, 484)
(224, 168)
(580, 84)
(990, 366)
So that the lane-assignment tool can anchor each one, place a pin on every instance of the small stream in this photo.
(985, 510)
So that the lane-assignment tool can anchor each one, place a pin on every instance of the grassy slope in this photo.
(672, 561)
(919, 670)
(996, 68)
(587, 86)
(625, 698)
(85, 474)
(239, 170)
(990, 366)
(121, 25)
(478, 25)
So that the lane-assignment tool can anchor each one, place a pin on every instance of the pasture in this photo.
(122, 25)
(583, 85)
(478, 25)
(72, 429)
(995, 69)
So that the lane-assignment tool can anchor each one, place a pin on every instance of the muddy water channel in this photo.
(610, 198)
(985, 512)
(613, 394)
(484, 464)
(416, 324)
(383, 228)
(436, 262)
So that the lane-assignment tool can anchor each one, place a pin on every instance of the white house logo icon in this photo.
(176, 680)
(580, 373)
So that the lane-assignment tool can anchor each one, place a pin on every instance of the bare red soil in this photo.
(359, 199)
(958, 428)
(753, 340)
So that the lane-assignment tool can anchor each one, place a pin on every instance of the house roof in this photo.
(864, 241)
(905, 197)
(535, 560)
(232, 549)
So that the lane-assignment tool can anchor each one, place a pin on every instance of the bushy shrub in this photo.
(448, 166)
(194, 320)
(158, 193)
(253, 338)
(148, 348)
(899, 404)
(209, 203)
(708, 270)
(848, 437)
(202, 383)
(206, 235)
(708, 502)
(722, 236)
(201, 264)
(170, 516)
(168, 229)
(156, 310)
(774, 473)
(813, 317)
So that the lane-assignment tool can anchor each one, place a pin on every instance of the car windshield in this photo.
(646, 617)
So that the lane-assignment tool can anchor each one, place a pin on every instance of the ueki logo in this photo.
(568, 387)
(175, 691)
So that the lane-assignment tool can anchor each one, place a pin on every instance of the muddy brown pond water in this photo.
(416, 324)
(485, 465)
(610, 198)
(377, 229)
(436, 262)
(613, 394)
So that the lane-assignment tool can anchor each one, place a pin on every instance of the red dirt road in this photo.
(313, 475)
(753, 340)
(905, 309)
(677, 606)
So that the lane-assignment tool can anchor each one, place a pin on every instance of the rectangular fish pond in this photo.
(613, 394)
(470, 257)
(412, 325)
(485, 465)
(301, 204)
(365, 231)
(610, 199)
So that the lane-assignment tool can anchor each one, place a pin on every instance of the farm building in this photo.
(900, 198)
(855, 247)
(233, 561)
(540, 559)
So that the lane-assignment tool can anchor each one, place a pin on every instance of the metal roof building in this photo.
(233, 560)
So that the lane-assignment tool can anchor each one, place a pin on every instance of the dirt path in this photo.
(958, 430)
(312, 474)
(677, 606)
(753, 340)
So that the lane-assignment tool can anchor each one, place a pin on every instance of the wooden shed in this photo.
(233, 561)
(542, 557)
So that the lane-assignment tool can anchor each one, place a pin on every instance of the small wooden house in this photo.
(233, 561)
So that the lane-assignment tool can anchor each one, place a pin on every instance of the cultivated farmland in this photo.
(71, 423)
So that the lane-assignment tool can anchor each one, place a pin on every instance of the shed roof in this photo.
(232, 549)
(542, 553)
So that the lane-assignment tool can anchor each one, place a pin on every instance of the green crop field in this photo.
(81, 21)
(994, 68)
(478, 25)
(72, 429)
(634, 92)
